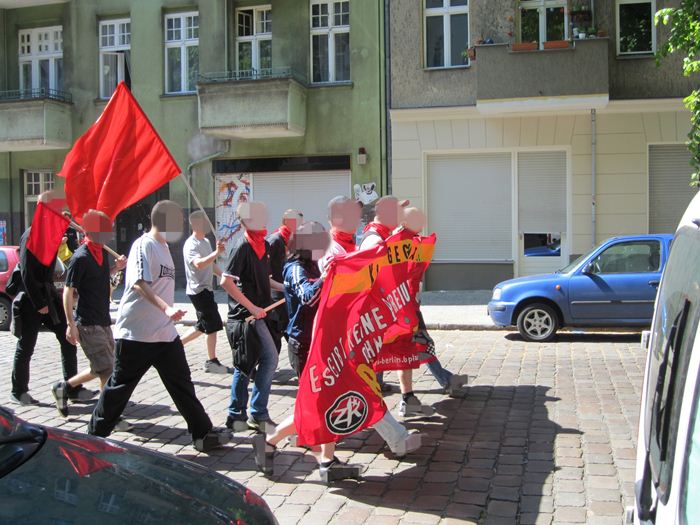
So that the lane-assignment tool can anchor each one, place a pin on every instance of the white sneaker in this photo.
(213, 366)
(413, 407)
(23, 399)
(456, 382)
(411, 443)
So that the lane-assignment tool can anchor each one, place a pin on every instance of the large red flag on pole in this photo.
(365, 297)
(118, 161)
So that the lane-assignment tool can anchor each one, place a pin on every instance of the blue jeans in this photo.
(262, 384)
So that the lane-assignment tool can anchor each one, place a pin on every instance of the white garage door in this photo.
(669, 192)
(305, 191)
(469, 207)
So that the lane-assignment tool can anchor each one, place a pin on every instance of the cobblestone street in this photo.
(544, 434)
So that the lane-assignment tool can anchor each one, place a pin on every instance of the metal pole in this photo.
(594, 191)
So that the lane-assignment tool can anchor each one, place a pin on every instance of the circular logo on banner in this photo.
(347, 413)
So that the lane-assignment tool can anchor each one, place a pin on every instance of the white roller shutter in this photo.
(308, 192)
(669, 192)
(542, 192)
(469, 207)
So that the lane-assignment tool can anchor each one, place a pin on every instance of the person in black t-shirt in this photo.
(88, 275)
(249, 296)
(279, 243)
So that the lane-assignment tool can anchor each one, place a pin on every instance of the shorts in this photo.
(98, 344)
(298, 354)
(208, 318)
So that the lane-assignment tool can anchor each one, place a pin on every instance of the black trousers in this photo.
(278, 321)
(132, 359)
(27, 323)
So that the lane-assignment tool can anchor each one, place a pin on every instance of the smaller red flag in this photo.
(84, 464)
(48, 228)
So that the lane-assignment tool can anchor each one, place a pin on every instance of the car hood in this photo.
(75, 478)
(532, 280)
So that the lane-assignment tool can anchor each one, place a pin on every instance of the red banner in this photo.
(367, 296)
(48, 228)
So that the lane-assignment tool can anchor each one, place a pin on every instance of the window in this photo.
(41, 59)
(629, 257)
(635, 27)
(446, 33)
(66, 491)
(330, 41)
(115, 55)
(543, 21)
(690, 507)
(36, 182)
(181, 52)
(4, 266)
(254, 41)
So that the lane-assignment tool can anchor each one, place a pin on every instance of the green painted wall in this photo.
(340, 118)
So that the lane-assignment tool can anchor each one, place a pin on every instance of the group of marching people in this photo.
(290, 265)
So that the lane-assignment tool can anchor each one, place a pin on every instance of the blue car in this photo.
(614, 285)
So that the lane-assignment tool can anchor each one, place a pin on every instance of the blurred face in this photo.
(388, 212)
(315, 242)
(199, 225)
(167, 219)
(98, 227)
(346, 216)
(414, 220)
(293, 220)
(253, 215)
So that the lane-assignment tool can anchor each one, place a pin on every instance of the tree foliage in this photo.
(684, 37)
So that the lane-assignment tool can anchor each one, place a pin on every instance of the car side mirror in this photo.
(589, 269)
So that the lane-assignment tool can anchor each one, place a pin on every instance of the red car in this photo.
(9, 256)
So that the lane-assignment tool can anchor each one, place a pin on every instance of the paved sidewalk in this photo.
(545, 435)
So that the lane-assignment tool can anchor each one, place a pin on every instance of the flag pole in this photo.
(199, 204)
(109, 250)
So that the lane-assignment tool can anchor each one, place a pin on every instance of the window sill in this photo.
(331, 84)
(447, 68)
(167, 96)
(636, 56)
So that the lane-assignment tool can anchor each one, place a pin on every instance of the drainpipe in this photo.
(189, 175)
(594, 144)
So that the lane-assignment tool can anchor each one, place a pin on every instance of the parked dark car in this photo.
(9, 256)
(613, 285)
(51, 476)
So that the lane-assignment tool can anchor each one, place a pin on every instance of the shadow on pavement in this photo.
(581, 337)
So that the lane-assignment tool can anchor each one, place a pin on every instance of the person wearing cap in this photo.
(279, 243)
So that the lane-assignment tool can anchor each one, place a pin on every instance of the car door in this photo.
(619, 284)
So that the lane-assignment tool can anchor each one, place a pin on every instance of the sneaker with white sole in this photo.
(213, 366)
(336, 470)
(456, 382)
(236, 425)
(215, 438)
(264, 454)
(23, 399)
(266, 427)
(411, 443)
(413, 407)
(60, 394)
(123, 426)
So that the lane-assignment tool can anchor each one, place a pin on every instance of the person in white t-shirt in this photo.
(146, 336)
(200, 268)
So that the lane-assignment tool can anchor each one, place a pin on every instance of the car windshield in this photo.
(572, 265)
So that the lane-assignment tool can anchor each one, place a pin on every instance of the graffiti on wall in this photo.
(231, 189)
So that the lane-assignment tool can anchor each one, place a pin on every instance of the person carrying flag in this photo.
(38, 302)
(279, 242)
(200, 268)
(302, 289)
(88, 275)
(248, 282)
(146, 335)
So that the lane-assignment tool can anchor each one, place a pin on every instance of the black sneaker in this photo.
(236, 425)
(23, 399)
(264, 454)
(266, 427)
(215, 438)
(213, 366)
(82, 394)
(336, 470)
(60, 394)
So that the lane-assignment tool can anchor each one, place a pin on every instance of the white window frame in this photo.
(446, 11)
(542, 6)
(255, 39)
(186, 40)
(35, 45)
(652, 11)
(46, 181)
(330, 31)
(116, 48)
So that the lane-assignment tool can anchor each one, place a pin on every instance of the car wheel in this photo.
(5, 314)
(538, 323)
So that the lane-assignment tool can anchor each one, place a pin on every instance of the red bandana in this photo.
(344, 239)
(380, 229)
(285, 232)
(256, 238)
(95, 250)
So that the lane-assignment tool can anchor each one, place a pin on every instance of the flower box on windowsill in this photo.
(556, 44)
(524, 46)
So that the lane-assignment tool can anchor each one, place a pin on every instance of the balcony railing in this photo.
(29, 94)
(251, 74)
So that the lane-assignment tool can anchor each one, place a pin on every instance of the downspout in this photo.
(387, 94)
(594, 144)
(189, 174)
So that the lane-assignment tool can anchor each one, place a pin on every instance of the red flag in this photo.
(366, 296)
(84, 464)
(48, 228)
(118, 161)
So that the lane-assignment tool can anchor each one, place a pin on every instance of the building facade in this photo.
(531, 130)
(279, 101)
